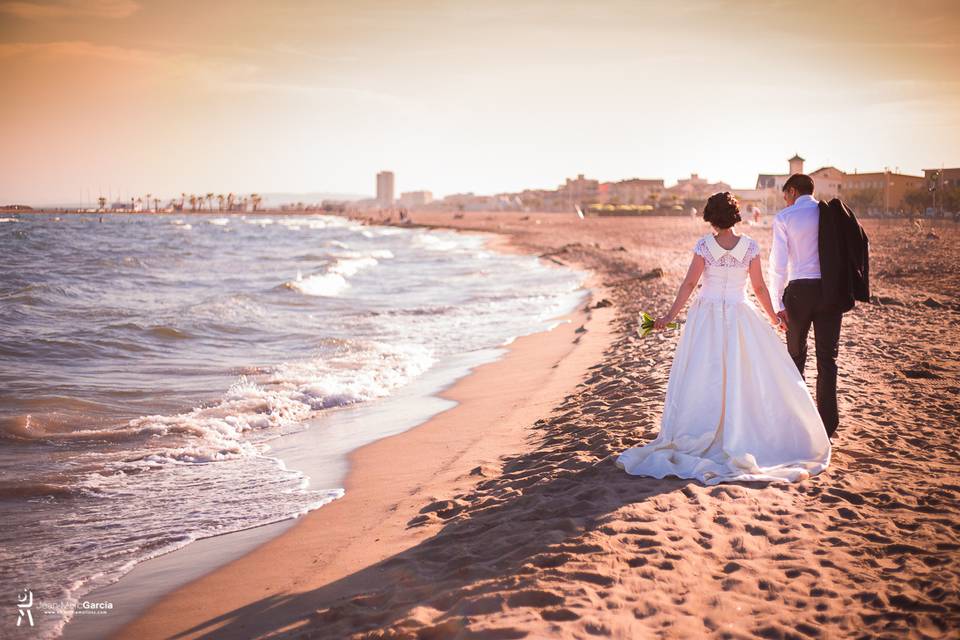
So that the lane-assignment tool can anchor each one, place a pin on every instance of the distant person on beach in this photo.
(736, 408)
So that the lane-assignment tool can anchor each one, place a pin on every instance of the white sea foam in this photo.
(321, 284)
(352, 266)
(219, 221)
(434, 243)
(373, 253)
(387, 231)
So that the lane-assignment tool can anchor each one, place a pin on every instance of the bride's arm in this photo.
(686, 288)
(760, 288)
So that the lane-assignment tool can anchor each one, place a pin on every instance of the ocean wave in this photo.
(311, 257)
(35, 489)
(51, 428)
(334, 280)
(163, 331)
(219, 221)
(157, 330)
(382, 254)
(216, 311)
(284, 396)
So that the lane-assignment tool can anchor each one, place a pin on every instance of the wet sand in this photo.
(505, 517)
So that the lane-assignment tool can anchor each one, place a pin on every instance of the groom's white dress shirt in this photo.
(795, 254)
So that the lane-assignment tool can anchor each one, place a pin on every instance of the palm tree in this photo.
(146, 202)
(102, 203)
(193, 202)
(220, 199)
(156, 205)
(209, 198)
(256, 200)
(231, 201)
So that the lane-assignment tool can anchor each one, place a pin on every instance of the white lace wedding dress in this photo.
(736, 408)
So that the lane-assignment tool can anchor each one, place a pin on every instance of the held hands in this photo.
(780, 320)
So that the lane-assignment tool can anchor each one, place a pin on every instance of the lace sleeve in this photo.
(753, 250)
(700, 248)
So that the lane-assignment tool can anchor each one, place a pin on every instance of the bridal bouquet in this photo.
(646, 324)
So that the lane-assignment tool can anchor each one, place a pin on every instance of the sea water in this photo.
(148, 363)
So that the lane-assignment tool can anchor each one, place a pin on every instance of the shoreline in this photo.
(551, 362)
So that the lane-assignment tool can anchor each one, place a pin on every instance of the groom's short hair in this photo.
(801, 182)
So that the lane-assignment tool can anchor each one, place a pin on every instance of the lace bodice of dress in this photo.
(725, 273)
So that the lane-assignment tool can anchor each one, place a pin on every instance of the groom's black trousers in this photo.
(803, 301)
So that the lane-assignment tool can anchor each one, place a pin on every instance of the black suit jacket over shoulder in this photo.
(844, 256)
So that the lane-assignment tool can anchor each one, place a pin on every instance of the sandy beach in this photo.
(505, 516)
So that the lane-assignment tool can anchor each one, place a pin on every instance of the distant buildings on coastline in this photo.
(877, 193)
(874, 193)
(415, 199)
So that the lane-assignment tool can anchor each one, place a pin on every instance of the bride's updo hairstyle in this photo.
(722, 210)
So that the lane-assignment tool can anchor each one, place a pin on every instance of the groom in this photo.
(802, 302)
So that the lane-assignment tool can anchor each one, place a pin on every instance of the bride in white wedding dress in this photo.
(736, 407)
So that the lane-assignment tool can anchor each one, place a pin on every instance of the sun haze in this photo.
(177, 96)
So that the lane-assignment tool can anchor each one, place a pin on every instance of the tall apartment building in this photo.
(385, 190)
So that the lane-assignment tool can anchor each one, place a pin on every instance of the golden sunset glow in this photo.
(171, 97)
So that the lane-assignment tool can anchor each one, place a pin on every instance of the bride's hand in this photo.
(778, 322)
(661, 323)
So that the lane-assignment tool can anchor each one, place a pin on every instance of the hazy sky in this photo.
(484, 96)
